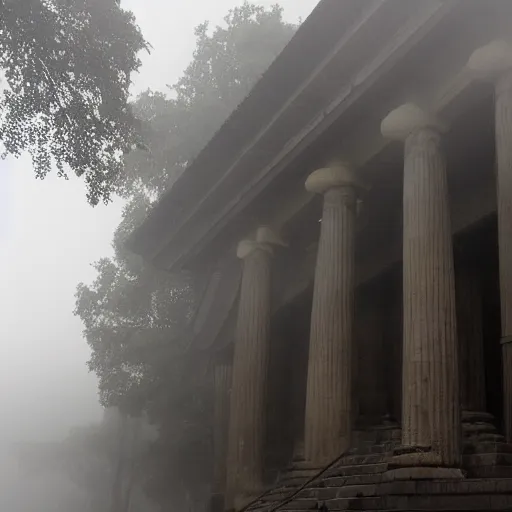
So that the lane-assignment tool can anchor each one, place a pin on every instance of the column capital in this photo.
(492, 60)
(336, 176)
(265, 240)
(408, 118)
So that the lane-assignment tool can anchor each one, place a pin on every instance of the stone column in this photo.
(222, 376)
(494, 61)
(250, 367)
(328, 420)
(431, 405)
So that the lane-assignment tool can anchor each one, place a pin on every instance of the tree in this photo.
(102, 460)
(135, 317)
(67, 66)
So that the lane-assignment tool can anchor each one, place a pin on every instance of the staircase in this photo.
(358, 480)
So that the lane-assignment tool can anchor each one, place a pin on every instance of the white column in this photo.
(328, 416)
(431, 406)
(250, 368)
(494, 61)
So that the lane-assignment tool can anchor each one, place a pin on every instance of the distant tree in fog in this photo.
(135, 317)
(67, 66)
(97, 467)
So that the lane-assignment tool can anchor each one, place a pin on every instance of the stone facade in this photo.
(395, 386)
(355, 454)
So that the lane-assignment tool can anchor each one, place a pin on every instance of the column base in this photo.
(486, 453)
(479, 427)
(422, 473)
(411, 456)
(419, 463)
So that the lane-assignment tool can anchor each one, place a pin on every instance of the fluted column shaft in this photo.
(250, 366)
(503, 118)
(430, 393)
(223, 372)
(494, 61)
(471, 348)
(250, 369)
(328, 412)
(431, 415)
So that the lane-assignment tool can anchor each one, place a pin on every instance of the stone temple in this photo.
(354, 220)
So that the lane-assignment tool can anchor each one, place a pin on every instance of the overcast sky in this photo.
(49, 236)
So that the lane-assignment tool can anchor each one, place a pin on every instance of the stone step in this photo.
(298, 473)
(365, 504)
(361, 469)
(372, 478)
(372, 458)
(260, 505)
(487, 459)
(472, 416)
(378, 449)
(346, 491)
(470, 429)
(302, 465)
(487, 447)
(373, 503)
(277, 496)
(280, 488)
(448, 487)
(290, 481)
(490, 472)
(484, 438)
(474, 502)
(298, 504)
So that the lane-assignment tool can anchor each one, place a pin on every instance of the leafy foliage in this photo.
(67, 64)
(227, 63)
(136, 318)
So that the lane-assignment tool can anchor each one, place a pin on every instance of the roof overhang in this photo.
(310, 86)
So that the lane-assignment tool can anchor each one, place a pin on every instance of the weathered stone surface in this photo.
(504, 169)
(491, 471)
(422, 473)
(425, 488)
(431, 413)
(437, 502)
(363, 469)
(250, 367)
(489, 459)
(328, 421)
(494, 61)
(355, 503)
(484, 448)
(364, 490)
(300, 505)
(361, 479)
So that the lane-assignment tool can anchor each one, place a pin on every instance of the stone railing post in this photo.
(250, 368)
(494, 61)
(328, 415)
(430, 402)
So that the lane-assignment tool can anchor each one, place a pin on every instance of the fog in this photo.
(49, 237)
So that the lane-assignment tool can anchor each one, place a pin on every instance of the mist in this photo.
(50, 237)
